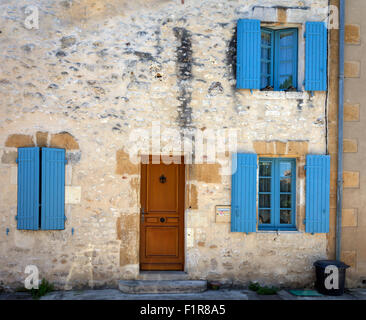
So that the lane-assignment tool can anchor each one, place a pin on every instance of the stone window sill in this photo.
(280, 231)
(280, 95)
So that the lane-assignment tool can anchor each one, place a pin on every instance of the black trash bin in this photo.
(321, 277)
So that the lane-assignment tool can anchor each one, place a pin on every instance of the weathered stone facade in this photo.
(96, 70)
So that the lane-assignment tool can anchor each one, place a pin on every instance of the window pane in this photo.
(264, 216)
(285, 169)
(266, 39)
(286, 82)
(265, 169)
(265, 201)
(285, 217)
(264, 185)
(285, 200)
(286, 38)
(285, 185)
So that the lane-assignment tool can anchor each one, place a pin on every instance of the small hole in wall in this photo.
(364, 281)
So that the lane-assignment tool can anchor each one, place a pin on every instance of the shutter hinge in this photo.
(65, 218)
(304, 221)
(16, 217)
(17, 160)
(305, 168)
(66, 161)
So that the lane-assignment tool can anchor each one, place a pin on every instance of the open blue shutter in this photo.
(317, 193)
(316, 56)
(53, 189)
(243, 193)
(28, 189)
(248, 65)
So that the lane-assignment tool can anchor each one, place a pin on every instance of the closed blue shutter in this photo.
(243, 193)
(53, 189)
(316, 56)
(248, 65)
(28, 189)
(317, 193)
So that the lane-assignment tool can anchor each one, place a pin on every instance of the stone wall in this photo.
(95, 71)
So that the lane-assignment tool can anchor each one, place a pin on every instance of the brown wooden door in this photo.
(162, 216)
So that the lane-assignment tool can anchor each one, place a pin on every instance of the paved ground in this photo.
(223, 294)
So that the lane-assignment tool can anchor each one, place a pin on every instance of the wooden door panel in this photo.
(162, 196)
(162, 241)
(162, 216)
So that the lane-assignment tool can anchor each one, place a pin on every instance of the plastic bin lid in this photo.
(325, 263)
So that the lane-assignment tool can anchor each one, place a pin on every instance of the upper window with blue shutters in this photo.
(273, 59)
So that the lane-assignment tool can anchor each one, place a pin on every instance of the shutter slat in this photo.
(28, 189)
(317, 193)
(53, 189)
(243, 194)
(316, 56)
(248, 54)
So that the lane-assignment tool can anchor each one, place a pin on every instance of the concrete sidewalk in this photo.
(223, 294)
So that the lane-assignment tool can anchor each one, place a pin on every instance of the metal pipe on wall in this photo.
(340, 130)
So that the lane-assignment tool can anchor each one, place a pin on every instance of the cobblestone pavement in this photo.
(223, 294)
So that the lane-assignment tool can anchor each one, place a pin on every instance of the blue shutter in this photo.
(317, 193)
(243, 193)
(28, 189)
(53, 189)
(316, 56)
(248, 65)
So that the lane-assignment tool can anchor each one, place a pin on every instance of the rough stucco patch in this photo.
(350, 145)
(281, 15)
(352, 69)
(118, 228)
(193, 200)
(19, 140)
(42, 138)
(128, 233)
(124, 165)
(351, 112)
(64, 140)
(351, 179)
(349, 257)
(352, 34)
(297, 148)
(349, 218)
(9, 157)
(209, 173)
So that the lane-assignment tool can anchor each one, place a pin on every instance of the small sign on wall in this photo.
(223, 214)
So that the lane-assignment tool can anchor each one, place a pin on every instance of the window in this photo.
(279, 59)
(41, 189)
(277, 191)
(277, 194)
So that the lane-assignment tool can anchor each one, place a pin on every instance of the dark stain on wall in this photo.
(231, 56)
(184, 76)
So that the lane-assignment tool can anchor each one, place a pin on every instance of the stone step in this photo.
(163, 275)
(162, 286)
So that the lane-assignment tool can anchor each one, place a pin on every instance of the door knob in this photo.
(162, 220)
